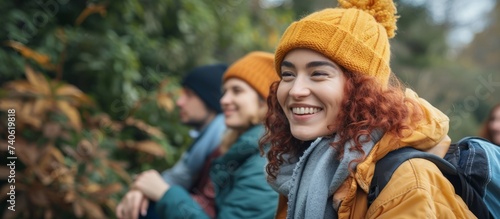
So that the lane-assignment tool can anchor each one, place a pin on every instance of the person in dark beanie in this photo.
(206, 82)
(199, 108)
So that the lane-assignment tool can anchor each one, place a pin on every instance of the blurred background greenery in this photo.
(94, 82)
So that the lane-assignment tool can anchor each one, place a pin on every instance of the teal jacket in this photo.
(239, 182)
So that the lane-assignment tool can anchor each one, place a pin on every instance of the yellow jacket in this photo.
(417, 188)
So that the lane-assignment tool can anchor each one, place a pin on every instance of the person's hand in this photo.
(130, 205)
(151, 184)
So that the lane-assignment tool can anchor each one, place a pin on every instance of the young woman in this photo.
(236, 173)
(337, 110)
(491, 127)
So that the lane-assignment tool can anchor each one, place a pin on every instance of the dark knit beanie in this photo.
(206, 82)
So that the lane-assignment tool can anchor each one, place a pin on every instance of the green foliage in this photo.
(125, 58)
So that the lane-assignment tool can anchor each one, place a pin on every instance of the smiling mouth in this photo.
(305, 110)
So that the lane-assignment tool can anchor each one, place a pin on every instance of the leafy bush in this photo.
(65, 165)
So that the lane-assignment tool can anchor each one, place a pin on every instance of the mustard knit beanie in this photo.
(256, 69)
(355, 35)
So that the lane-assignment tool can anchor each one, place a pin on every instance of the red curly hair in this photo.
(365, 107)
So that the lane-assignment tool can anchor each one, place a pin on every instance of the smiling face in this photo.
(310, 93)
(241, 104)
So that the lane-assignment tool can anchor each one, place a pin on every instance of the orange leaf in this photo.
(46, 167)
(67, 90)
(91, 188)
(72, 114)
(165, 101)
(92, 210)
(6, 104)
(56, 154)
(150, 147)
(41, 106)
(111, 189)
(38, 81)
(119, 170)
(27, 115)
(21, 86)
(144, 127)
(91, 9)
(42, 59)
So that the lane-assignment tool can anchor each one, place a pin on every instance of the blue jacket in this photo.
(239, 182)
(187, 169)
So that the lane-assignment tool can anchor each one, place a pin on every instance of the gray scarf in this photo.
(310, 181)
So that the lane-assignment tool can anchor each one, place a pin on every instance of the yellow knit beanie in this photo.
(256, 69)
(354, 35)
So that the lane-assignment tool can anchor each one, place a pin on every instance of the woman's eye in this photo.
(286, 74)
(319, 74)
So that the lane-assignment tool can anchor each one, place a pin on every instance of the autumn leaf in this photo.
(91, 209)
(165, 101)
(118, 169)
(42, 59)
(150, 147)
(144, 127)
(27, 115)
(6, 104)
(56, 154)
(41, 106)
(38, 81)
(90, 9)
(103, 192)
(71, 93)
(21, 86)
(47, 167)
(71, 113)
(91, 188)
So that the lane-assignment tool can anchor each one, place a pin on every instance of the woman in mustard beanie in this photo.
(235, 178)
(337, 110)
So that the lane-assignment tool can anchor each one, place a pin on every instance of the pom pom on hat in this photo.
(355, 36)
(383, 11)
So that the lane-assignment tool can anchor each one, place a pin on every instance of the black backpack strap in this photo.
(387, 165)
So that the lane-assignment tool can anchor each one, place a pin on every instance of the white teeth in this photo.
(305, 110)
